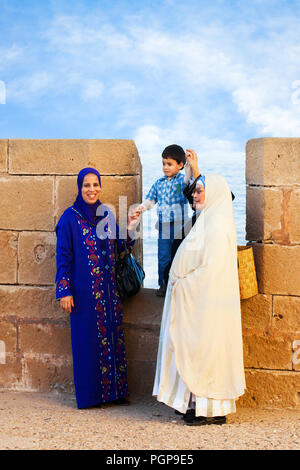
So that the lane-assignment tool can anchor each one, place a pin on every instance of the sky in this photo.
(205, 75)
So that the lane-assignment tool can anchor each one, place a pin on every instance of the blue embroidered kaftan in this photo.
(85, 270)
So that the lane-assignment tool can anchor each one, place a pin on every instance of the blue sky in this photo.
(206, 75)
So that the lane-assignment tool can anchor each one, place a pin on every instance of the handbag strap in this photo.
(127, 250)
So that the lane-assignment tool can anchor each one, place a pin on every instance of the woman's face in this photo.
(90, 190)
(199, 197)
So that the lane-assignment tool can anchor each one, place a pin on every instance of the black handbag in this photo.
(129, 273)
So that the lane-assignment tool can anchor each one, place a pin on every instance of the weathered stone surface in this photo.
(11, 373)
(42, 338)
(3, 155)
(37, 252)
(8, 334)
(8, 256)
(267, 351)
(44, 373)
(273, 161)
(257, 312)
(27, 202)
(264, 213)
(69, 156)
(278, 268)
(141, 344)
(286, 314)
(295, 216)
(140, 376)
(35, 303)
(277, 389)
(143, 310)
(118, 192)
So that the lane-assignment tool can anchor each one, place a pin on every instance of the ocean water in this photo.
(235, 176)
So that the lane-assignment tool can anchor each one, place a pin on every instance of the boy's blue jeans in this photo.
(164, 251)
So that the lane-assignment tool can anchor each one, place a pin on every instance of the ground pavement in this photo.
(50, 421)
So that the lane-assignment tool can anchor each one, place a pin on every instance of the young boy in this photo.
(167, 193)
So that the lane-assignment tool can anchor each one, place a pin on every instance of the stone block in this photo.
(140, 378)
(27, 202)
(44, 373)
(273, 161)
(3, 155)
(37, 258)
(143, 310)
(257, 312)
(141, 344)
(274, 389)
(264, 213)
(44, 338)
(26, 302)
(278, 268)
(11, 373)
(69, 156)
(267, 351)
(286, 314)
(112, 189)
(294, 230)
(8, 334)
(8, 257)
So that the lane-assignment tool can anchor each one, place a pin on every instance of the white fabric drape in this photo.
(202, 306)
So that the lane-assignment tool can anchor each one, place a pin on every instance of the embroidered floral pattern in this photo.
(63, 287)
(108, 308)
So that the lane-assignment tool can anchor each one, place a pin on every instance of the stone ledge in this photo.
(69, 156)
(273, 161)
(3, 155)
(276, 389)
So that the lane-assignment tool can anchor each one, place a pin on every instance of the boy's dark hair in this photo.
(176, 152)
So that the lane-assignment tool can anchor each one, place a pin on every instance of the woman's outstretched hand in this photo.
(192, 159)
(134, 217)
(67, 303)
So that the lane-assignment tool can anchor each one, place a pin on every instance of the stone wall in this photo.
(271, 320)
(37, 183)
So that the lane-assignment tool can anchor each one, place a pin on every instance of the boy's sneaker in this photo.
(161, 292)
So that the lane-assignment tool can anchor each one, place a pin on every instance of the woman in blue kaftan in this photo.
(86, 288)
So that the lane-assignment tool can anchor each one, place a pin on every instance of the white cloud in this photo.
(151, 140)
(10, 55)
(29, 88)
(92, 89)
(144, 72)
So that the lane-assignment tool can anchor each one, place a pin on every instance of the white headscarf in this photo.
(205, 308)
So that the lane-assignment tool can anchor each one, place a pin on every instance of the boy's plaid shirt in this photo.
(168, 195)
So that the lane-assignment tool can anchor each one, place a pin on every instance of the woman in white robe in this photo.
(200, 370)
